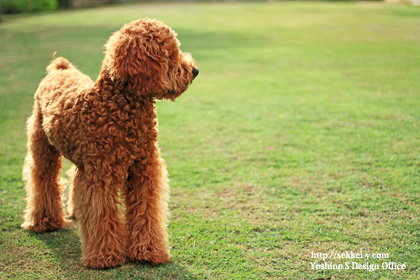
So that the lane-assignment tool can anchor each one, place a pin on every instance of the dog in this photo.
(108, 130)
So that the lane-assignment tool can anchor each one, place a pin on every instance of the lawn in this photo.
(300, 137)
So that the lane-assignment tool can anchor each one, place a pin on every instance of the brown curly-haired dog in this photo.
(108, 130)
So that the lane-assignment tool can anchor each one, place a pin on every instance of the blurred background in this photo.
(22, 6)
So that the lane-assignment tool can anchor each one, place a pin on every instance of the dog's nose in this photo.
(195, 72)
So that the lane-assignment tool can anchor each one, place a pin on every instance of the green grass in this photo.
(300, 134)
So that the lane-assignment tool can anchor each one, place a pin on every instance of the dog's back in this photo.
(57, 98)
(62, 82)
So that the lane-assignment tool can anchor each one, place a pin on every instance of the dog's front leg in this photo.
(146, 201)
(103, 233)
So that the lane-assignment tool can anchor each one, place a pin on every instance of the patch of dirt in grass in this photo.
(244, 199)
(26, 261)
(249, 202)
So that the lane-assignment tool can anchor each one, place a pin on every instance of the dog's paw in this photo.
(153, 256)
(104, 261)
(45, 224)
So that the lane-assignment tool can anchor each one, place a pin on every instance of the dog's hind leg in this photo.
(146, 201)
(44, 210)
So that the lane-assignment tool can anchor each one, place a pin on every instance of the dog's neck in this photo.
(105, 83)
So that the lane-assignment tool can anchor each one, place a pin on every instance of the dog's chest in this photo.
(122, 124)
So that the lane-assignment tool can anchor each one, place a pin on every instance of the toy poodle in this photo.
(108, 129)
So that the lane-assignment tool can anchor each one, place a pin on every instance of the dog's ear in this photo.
(133, 56)
(129, 62)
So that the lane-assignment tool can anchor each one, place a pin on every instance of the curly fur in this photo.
(108, 129)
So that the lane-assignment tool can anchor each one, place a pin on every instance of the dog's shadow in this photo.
(64, 247)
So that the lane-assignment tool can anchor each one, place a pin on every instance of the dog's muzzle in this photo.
(195, 72)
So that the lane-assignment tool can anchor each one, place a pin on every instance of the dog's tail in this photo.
(60, 63)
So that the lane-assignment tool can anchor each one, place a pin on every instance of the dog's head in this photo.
(145, 56)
